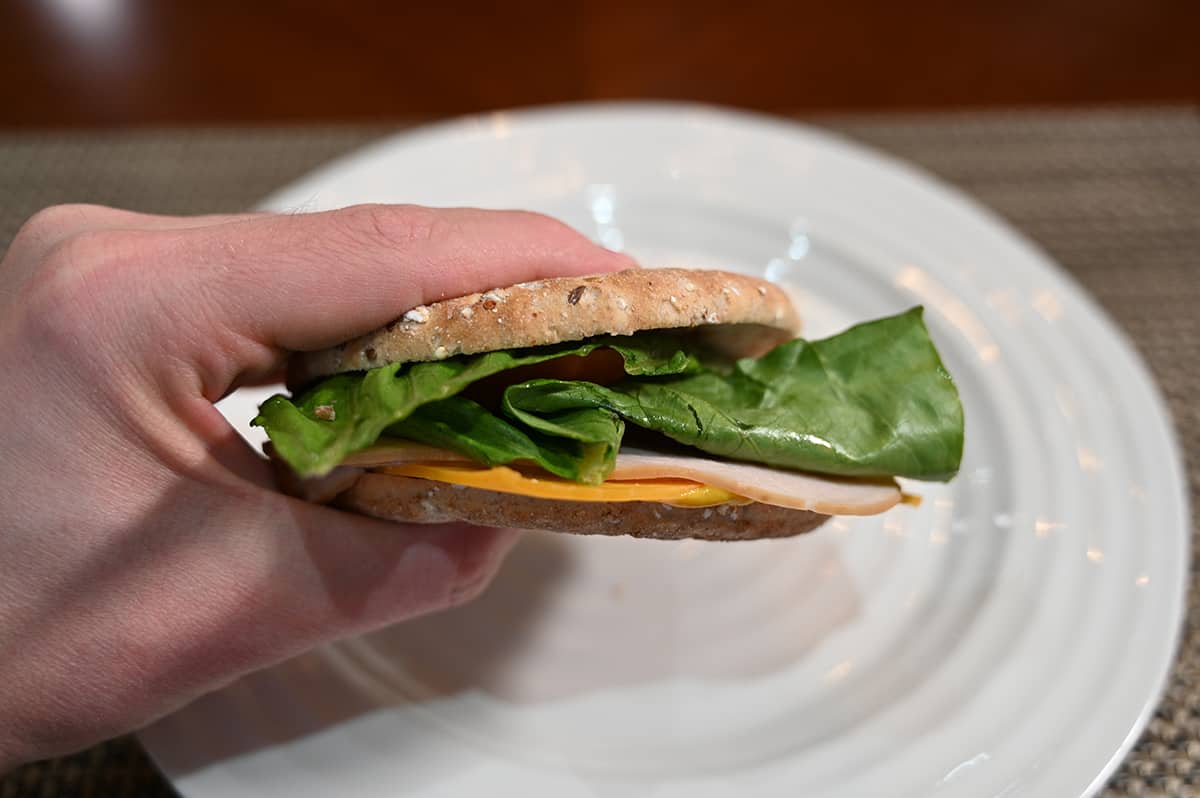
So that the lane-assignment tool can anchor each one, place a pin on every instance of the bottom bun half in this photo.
(421, 501)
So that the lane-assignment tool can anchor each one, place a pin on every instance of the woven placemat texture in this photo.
(1113, 195)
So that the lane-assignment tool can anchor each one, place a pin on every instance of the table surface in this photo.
(1113, 195)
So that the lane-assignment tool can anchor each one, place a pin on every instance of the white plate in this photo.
(1010, 637)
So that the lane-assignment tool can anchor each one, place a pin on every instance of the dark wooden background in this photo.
(150, 62)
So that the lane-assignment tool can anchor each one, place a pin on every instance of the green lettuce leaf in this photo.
(582, 446)
(367, 403)
(874, 400)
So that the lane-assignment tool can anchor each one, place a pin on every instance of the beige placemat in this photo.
(1114, 196)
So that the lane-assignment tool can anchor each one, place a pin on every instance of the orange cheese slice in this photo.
(675, 492)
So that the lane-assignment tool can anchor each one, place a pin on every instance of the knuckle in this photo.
(396, 226)
(45, 225)
(77, 257)
(55, 218)
(82, 271)
(58, 221)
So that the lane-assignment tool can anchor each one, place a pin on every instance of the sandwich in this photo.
(658, 403)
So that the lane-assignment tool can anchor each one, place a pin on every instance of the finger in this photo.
(59, 224)
(285, 576)
(55, 224)
(309, 281)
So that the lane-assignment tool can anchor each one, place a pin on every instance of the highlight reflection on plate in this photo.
(1010, 636)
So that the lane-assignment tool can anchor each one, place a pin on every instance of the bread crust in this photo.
(411, 500)
(744, 315)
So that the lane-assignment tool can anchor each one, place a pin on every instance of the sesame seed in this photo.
(762, 290)
(441, 352)
(622, 304)
(418, 315)
(689, 286)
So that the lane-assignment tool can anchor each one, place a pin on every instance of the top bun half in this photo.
(739, 315)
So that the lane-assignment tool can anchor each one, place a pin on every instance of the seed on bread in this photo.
(418, 315)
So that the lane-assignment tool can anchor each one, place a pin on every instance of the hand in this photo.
(144, 557)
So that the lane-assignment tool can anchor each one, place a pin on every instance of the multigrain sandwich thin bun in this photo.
(423, 502)
(741, 315)
(734, 460)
